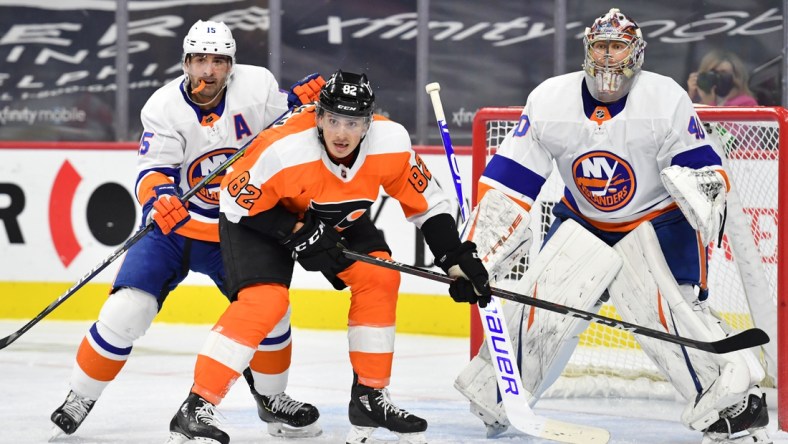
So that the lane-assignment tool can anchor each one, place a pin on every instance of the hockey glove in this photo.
(470, 277)
(166, 209)
(306, 90)
(317, 246)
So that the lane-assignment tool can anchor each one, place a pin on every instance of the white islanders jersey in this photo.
(180, 142)
(609, 155)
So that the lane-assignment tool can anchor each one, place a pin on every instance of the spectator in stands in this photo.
(721, 79)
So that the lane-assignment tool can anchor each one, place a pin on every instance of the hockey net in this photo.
(743, 272)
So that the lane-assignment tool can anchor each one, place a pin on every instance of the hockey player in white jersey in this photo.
(641, 176)
(191, 125)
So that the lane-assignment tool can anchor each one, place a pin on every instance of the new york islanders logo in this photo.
(204, 166)
(606, 180)
(341, 215)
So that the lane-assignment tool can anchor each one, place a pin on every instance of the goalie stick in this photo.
(433, 89)
(6, 341)
(752, 337)
(514, 395)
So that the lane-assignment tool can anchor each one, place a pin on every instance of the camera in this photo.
(722, 80)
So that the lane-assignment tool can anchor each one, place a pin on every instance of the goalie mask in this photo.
(208, 37)
(614, 52)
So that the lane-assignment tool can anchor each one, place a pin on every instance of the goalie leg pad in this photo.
(478, 383)
(646, 293)
(574, 268)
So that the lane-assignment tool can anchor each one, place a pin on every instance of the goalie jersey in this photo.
(605, 153)
(182, 144)
(289, 164)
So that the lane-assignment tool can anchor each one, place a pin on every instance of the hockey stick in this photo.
(751, 337)
(515, 397)
(6, 341)
(433, 89)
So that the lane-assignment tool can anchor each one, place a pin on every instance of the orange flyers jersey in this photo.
(289, 164)
(181, 145)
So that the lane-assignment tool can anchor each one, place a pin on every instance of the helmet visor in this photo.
(339, 122)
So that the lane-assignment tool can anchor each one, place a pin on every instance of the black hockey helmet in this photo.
(347, 94)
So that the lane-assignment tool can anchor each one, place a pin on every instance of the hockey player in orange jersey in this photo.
(301, 192)
(191, 125)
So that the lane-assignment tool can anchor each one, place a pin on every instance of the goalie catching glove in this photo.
(700, 194)
(317, 246)
(471, 279)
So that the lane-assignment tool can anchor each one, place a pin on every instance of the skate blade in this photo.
(177, 438)
(282, 430)
(55, 433)
(493, 430)
(411, 438)
(363, 435)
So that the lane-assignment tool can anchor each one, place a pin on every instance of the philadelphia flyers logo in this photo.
(605, 180)
(341, 215)
(204, 166)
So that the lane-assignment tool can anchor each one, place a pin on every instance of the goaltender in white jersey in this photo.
(641, 176)
(610, 172)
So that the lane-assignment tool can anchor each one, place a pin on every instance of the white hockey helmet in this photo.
(209, 37)
(610, 81)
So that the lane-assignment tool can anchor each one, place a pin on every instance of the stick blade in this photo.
(6, 341)
(554, 430)
(752, 337)
(574, 433)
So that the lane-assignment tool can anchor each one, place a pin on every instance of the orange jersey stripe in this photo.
(96, 366)
(203, 231)
(145, 188)
(621, 226)
(373, 369)
(272, 362)
(212, 379)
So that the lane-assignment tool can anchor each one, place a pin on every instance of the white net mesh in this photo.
(609, 361)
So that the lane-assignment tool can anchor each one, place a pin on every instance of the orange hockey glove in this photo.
(167, 209)
(306, 90)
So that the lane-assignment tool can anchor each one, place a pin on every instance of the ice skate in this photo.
(371, 408)
(285, 416)
(69, 416)
(742, 423)
(196, 420)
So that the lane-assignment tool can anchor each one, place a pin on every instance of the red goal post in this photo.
(747, 272)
